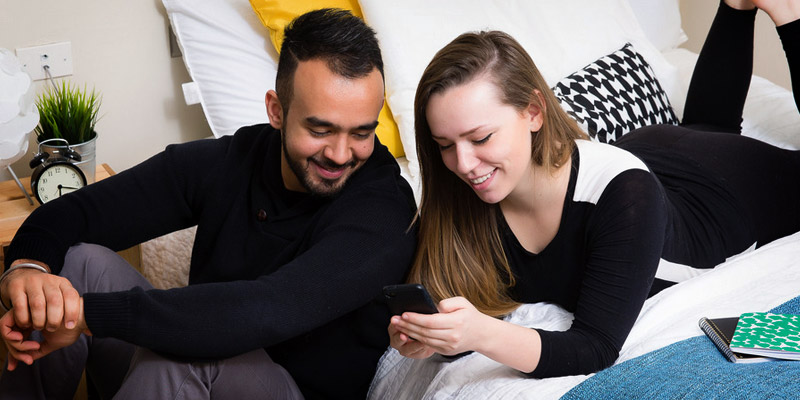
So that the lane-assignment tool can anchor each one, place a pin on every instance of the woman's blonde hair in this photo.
(460, 251)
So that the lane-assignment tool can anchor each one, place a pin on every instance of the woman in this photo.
(542, 214)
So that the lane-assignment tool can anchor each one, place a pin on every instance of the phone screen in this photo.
(411, 297)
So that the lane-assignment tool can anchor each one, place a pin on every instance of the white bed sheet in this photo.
(756, 281)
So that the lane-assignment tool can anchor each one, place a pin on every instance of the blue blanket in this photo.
(694, 369)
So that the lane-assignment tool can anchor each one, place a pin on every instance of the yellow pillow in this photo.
(276, 14)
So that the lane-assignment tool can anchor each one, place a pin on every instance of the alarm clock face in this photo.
(57, 180)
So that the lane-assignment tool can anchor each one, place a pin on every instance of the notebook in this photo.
(720, 331)
(768, 334)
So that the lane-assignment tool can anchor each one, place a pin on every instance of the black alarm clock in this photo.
(55, 176)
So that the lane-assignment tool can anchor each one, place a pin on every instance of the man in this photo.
(300, 224)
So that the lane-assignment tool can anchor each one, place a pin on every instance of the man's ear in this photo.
(536, 112)
(274, 109)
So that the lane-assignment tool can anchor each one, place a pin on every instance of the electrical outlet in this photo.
(58, 56)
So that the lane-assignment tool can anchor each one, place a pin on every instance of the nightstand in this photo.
(14, 208)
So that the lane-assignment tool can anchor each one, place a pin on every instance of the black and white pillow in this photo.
(615, 95)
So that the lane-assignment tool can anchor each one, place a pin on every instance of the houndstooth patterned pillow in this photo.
(615, 95)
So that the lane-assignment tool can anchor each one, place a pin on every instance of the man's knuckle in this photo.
(16, 284)
(37, 302)
(54, 298)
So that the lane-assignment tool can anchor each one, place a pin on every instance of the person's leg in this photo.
(721, 77)
(252, 375)
(790, 39)
(90, 268)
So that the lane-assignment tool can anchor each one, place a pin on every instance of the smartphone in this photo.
(411, 297)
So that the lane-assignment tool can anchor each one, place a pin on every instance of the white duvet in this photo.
(756, 281)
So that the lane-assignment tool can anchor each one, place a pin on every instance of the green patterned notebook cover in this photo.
(773, 335)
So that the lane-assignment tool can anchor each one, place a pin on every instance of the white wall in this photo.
(122, 49)
(769, 60)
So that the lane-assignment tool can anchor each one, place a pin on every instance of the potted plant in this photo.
(69, 113)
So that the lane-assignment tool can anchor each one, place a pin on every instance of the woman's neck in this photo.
(533, 210)
(538, 190)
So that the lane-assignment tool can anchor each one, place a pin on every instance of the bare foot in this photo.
(740, 4)
(781, 11)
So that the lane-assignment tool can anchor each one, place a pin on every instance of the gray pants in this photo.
(116, 367)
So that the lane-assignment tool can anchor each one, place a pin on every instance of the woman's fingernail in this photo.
(70, 324)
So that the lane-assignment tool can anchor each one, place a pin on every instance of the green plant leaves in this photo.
(68, 112)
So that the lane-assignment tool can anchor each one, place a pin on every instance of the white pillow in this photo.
(661, 22)
(227, 53)
(561, 36)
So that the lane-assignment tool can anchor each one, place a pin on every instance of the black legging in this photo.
(725, 192)
(721, 77)
(790, 38)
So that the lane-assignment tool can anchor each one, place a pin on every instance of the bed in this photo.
(227, 48)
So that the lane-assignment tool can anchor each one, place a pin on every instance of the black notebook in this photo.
(720, 331)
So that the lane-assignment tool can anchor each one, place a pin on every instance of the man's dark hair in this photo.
(342, 40)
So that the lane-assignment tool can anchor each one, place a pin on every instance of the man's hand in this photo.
(13, 338)
(40, 301)
(20, 346)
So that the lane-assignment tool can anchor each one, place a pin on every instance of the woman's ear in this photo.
(274, 109)
(536, 111)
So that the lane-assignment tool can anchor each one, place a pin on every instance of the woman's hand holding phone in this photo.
(405, 345)
(408, 299)
(457, 328)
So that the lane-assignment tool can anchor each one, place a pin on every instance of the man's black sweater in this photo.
(290, 272)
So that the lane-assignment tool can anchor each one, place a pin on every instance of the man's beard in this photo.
(323, 187)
